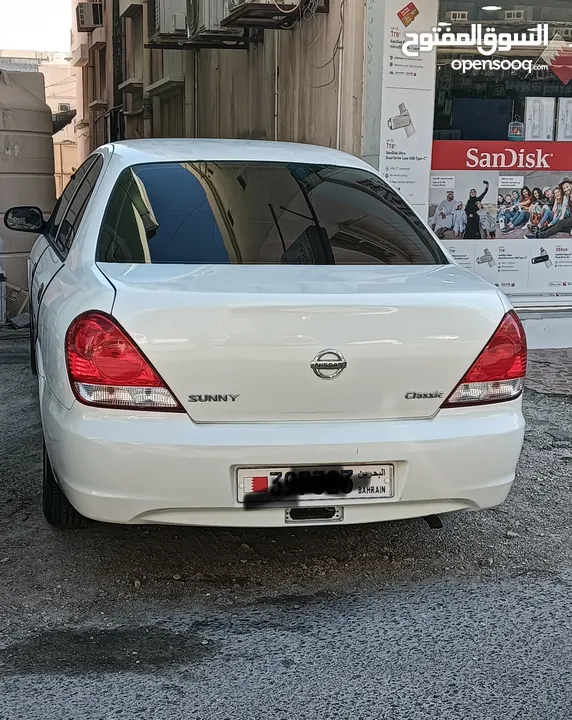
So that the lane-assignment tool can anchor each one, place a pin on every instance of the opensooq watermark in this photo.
(496, 64)
(485, 40)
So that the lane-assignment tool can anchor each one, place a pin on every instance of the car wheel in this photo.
(58, 510)
(33, 365)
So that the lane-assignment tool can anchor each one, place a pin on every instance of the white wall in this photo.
(279, 90)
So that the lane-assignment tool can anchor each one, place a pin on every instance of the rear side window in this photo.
(63, 203)
(74, 215)
(260, 213)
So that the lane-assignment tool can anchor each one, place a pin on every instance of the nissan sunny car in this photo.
(261, 334)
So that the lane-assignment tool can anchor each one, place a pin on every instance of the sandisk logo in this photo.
(508, 158)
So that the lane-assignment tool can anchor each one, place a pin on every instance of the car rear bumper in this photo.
(123, 467)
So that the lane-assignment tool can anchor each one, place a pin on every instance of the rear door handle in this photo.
(40, 291)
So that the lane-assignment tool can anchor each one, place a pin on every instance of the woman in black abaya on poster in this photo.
(473, 230)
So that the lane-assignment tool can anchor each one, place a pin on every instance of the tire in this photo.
(33, 364)
(58, 510)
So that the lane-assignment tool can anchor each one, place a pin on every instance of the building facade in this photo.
(401, 83)
(241, 82)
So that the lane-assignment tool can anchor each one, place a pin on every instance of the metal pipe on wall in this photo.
(147, 106)
(196, 93)
(117, 49)
(276, 80)
(340, 85)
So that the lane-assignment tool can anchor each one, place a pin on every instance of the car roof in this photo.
(194, 150)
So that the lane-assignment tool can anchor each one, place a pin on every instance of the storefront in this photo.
(499, 183)
(503, 146)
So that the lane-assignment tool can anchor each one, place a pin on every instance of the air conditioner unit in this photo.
(286, 4)
(457, 16)
(515, 16)
(266, 13)
(171, 17)
(89, 16)
(204, 18)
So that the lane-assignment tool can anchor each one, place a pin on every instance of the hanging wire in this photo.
(311, 9)
(337, 47)
(297, 9)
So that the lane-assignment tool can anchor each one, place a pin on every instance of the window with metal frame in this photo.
(76, 208)
(62, 204)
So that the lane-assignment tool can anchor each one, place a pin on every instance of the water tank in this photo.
(26, 164)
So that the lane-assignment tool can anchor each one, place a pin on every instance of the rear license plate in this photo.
(347, 482)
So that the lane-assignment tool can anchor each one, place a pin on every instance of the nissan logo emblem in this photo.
(328, 364)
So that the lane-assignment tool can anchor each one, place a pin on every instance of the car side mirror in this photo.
(24, 218)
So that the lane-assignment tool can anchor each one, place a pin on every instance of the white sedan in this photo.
(261, 334)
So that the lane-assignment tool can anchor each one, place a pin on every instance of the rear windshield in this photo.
(260, 213)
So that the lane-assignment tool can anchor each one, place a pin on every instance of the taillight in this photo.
(498, 373)
(106, 369)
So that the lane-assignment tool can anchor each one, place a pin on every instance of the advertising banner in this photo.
(504, 211)
(408, 91)
(539, 118)
(564, 133)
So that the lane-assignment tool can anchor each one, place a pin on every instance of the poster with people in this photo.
(537, 212)
(504, 211)
(465, 207)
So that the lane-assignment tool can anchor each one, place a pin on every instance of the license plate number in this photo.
(347, 483)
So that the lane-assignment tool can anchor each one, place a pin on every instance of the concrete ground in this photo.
(391, 621)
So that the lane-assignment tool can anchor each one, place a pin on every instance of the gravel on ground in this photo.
(164, 607)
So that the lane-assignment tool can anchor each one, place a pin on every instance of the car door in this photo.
(56, 242)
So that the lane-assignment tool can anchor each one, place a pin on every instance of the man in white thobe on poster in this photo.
(443, 218)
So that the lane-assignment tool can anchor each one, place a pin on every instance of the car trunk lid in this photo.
(238, 343)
